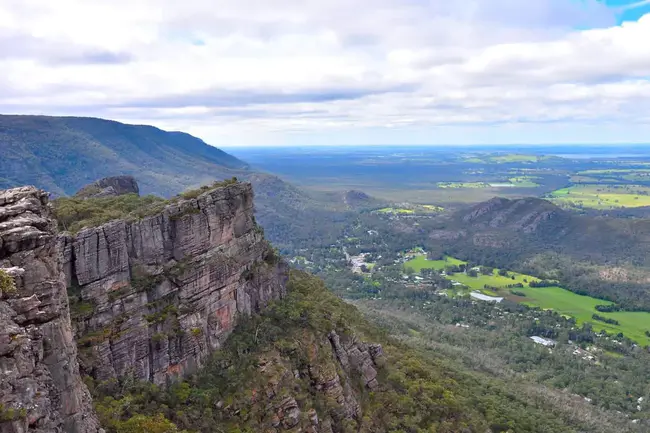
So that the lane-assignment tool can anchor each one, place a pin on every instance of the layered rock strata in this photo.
(40, 386)
(154, 297)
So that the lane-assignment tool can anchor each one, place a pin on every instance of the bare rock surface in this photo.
(40, 386)
(110, 187)
(158, 295)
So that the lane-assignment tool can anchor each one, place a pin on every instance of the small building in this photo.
(543, 341)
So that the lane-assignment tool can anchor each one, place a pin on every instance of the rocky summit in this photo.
(40, 386)
(110, 187)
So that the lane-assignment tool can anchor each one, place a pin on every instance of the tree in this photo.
(487, 270)
(472, 273)
(147, 424)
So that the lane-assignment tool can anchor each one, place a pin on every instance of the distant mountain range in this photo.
(62, 154)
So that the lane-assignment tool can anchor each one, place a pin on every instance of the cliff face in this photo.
(153, 298)
(334, 370)
(40, 386)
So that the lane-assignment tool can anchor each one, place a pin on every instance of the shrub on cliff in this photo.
(279, 361)
(75, 213)
(194, 193)
(7, 285)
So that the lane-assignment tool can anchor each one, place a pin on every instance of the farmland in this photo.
(602, 196)
(512, 182)
(515, 157)
(493, 280)
(393, 210)
(410, 209)
(463, 185)
(524, 181)
(582, 308)
(621, 174)
(508, 158)
(421, 262)
(632, 324)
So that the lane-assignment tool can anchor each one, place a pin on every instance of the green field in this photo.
(463, 185)
(524, 181)
(394, 210)
(513, 182)
(506, 158)
(514, 157)
(494, 280)
(630, 174)
(433, 208)
(602, 196)
(411, 209)
(632, 324)
(616, 171)
(585, 179)
(421, 262)
(517, 157)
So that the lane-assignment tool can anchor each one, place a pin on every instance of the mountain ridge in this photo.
(62, 154)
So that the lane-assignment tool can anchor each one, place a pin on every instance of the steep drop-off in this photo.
(40, 386)
(152, 298)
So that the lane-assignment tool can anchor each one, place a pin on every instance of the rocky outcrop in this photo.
(357, 356)
(40, 386)
(110, 187)
(334, 366)
(155, 297)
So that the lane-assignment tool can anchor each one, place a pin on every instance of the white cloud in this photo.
(287, 70)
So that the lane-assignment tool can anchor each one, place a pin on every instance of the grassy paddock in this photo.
(421, 262)
(463, 185)
(602, 196)
(393, 210)
(411, 209)
(632, 324)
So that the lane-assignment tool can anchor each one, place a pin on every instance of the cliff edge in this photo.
(153, 297)
(40, 386)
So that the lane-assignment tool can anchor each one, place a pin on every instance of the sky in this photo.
(335, 72)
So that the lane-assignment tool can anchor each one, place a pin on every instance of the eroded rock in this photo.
(110, 187)
(40, 386)
(166, 291)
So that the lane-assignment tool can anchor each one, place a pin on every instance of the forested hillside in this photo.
(296, 366)
(62, 154)
(602, 257)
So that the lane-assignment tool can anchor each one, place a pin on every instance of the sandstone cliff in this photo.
(40, 386)
(339, 371)
(154, 297)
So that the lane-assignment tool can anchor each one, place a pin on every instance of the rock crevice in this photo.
(40, 386)
(156, 296)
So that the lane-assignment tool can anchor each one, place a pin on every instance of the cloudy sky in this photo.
(285, 72)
